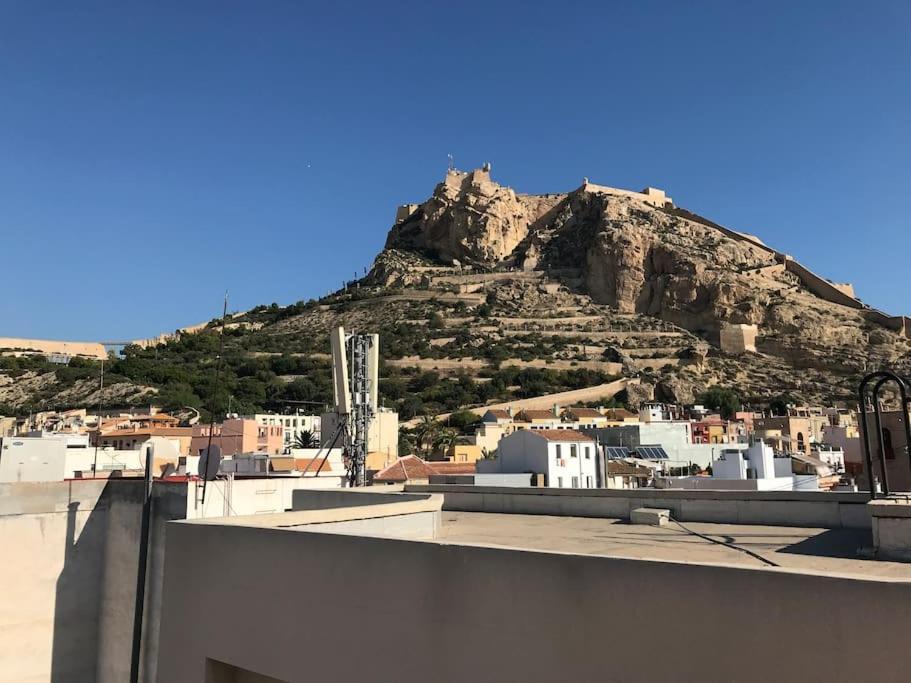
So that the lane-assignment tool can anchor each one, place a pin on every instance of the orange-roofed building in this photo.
(412, 470)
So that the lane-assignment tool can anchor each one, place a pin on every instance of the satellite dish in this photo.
(209, 462)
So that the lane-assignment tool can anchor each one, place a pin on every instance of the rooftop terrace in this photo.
(426, 589)
(834, 551)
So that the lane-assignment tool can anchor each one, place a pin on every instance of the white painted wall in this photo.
(526, 451)
(33, 459)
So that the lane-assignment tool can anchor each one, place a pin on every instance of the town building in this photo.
(237, 436)
(464, 453)
(292, 425)
(757, 468)
(7, 426)
(132, 432)
(411, 469)
(58, 457)
(498, 423)
(567, 458)
(621, 474)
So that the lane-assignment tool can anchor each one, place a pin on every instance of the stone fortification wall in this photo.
(16, 346)
(649, 195)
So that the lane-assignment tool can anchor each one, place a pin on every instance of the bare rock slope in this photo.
(638, 254)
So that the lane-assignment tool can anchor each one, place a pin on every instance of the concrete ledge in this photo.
(892, 528)
(777, 508)
(331, 515)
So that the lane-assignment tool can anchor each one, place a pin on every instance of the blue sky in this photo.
(153, 155)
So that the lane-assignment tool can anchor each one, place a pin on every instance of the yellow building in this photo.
(464, 452)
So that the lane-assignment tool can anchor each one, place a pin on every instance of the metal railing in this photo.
(879, 379)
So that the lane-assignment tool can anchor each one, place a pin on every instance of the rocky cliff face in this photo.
(470, 219)
(623, 251)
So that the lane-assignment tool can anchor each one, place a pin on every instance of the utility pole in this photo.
(214, 400)
(98, 436)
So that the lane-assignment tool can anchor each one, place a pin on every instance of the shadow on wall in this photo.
(96, 588)
(78, 596)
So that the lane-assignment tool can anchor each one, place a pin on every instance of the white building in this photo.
(60, 457)
(833, 456)
(753, 469)
(292, 425)
(565, 457)
(674, 436)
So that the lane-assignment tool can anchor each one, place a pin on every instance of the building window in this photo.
(588, 456)
(558, 451)
(572, 451)
(575, 482)
(588, 482)
(559, 482)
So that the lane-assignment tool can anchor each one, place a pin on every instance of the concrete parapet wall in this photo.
(516, 614)
(70, 578)
(790, 508)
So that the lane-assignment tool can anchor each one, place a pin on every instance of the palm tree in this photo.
(444, 439)
(426, 432)
(306, 439)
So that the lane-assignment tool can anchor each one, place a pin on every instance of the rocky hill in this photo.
(484, 294)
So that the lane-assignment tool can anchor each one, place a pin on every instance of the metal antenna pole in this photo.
(360, 345)
(221, 349)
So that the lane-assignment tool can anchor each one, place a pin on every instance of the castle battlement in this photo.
(650, 195)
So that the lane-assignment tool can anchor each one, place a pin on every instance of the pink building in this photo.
(237, 436)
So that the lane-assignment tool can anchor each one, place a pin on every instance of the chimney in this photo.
(509, 411)
(556, 410)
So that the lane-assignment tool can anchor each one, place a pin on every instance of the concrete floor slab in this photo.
(818, 550)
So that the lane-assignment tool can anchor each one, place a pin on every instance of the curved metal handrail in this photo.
(881, 377)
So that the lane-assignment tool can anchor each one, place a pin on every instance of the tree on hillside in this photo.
(725, 401)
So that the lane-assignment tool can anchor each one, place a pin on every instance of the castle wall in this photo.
(16, 346)
(649, 195)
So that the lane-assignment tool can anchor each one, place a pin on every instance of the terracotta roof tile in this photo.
(453, 467)
(301, 464)
(499, 413)
(539, 415)
(412, 467)
(619, 413)
(404, 469)
(561, 435)
(584, 412)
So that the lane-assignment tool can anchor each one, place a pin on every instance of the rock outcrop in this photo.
(636, 257)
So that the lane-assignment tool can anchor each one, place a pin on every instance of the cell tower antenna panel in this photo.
(361, 348)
